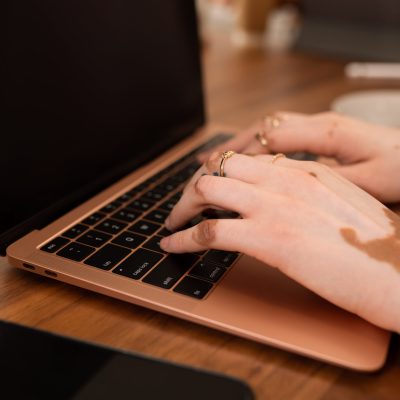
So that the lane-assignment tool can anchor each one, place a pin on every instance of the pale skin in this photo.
(305, 218)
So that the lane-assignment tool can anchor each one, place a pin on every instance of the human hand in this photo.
(367, 154)
(305, 219)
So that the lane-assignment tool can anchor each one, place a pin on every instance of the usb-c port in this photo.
(28, 266)
(50, 273)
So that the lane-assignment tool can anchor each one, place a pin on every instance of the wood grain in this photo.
(240, 87)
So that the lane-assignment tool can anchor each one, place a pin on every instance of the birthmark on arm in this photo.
(386, 249)
(313, 174)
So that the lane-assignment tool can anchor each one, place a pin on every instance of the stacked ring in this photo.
(225, 156)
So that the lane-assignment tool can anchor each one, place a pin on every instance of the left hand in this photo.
(306, 220)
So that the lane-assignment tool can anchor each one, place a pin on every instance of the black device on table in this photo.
(38, 365)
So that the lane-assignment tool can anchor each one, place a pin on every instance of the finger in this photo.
(238, 166)
(221, 234)
(327, 134)
(210, 192)
(361, 173)
(237, 143)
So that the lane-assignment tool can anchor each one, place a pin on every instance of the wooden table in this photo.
(240, 87)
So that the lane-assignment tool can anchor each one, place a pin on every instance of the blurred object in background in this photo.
(376, 106)
(377, 70)
(356, 29)
(253, 24)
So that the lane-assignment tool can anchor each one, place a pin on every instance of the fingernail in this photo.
(167, 224)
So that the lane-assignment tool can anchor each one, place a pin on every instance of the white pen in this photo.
(373, 70)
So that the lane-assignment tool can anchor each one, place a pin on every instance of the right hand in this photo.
(366, 154)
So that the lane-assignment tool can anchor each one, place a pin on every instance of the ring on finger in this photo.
(260, 136)
(277, 157)
(225, 156)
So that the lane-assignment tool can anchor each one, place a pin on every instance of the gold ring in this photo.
(277, 157)
(225, 156)
(260, 136)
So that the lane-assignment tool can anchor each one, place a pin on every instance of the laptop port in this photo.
(50, 273)
(28, 266)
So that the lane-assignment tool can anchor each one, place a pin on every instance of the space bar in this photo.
(170, 270)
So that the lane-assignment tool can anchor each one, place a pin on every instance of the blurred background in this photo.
(301, 55)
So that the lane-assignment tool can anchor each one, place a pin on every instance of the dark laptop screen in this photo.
(89, 90)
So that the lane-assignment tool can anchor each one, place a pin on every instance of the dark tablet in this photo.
(39, 365)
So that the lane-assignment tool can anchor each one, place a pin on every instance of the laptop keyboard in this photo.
(123, 236)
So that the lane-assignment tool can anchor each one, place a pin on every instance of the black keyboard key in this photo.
(107, 257)
(138, 264)
(54, 245)
(94, 218)
(125, 197)
(111, 207)
(176, 196)
(141, 204)
(224, 258)
(209, 271)
(144, 227)
(170, 270)
(193, 287)
(111, 226)
(158, 216)
(154, 244)
(142, 186)
(164, 232)
(127, 215)
(167, 205)
(94, 238)
(76, 251)
(155, 195)
(75, 231)
(130, 240)
(168, 185)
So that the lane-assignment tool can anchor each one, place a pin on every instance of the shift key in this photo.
(170, 270)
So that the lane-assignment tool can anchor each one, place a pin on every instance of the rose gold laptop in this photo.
(104, 116)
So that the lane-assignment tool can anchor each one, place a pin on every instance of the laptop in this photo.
(102, 117)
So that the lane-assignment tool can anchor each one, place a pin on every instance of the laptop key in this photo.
(158, 216)
(154, 244)
(94, 238)
(130, 240)
(107, 257)
(193, 287)
(209, 271)
(170, 270)
(111, 226)
(76, 251)
(168, 205)
(111, 207)
(141, 204)
(138, 264)
(126, 215)
(144, 227)
(75, 231)
(125, 197)
(94, 218)
(155, 195)
(220, 257)
(164, 232)
(54, 245)
(168, 185)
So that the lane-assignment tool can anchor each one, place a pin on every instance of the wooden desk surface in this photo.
(240, 87)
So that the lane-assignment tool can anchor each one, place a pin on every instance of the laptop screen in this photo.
(90, 89)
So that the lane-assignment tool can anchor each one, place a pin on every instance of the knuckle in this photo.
(213, 161)
(205, 232)
(202, 185)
